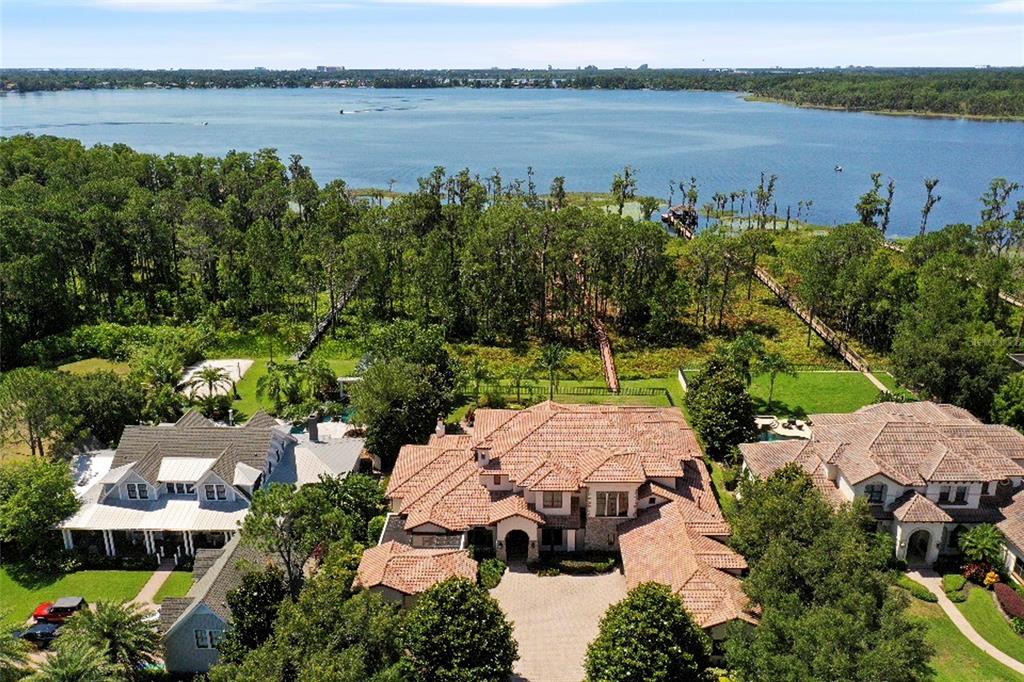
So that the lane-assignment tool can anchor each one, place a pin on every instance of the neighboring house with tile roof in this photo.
(564, 478)
(401, 572)
(928, 471)
(193, 625)
(173, 489)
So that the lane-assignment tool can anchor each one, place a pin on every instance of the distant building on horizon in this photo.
(329, 69)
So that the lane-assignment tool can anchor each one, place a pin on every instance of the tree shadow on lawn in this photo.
(778, 408)
(31, 575)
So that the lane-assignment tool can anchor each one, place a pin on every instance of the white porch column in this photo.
(69, 541)
(147, 540)
(108, 540)
(188, 543)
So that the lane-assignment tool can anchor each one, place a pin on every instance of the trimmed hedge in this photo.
(953, 582)
(918, 590)
(490, 572)
(585, 563)
(1011, 602)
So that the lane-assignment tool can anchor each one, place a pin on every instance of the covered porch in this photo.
(164, 543)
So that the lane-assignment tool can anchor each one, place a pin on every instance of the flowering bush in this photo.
(976, 572)
(991, 578)
(1011, 602)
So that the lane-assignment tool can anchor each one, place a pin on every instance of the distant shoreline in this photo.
(746, 96)
(887, 112)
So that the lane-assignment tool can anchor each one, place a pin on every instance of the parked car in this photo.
(41, 634)
(58, 611)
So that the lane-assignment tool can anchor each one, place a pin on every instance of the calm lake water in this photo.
(586, 136)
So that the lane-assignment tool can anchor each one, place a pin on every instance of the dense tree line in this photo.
(976, 92)
(110, 235)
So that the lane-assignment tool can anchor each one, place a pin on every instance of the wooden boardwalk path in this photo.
(317, 335)
(1003, 296)
(611, 374)
(827, 334)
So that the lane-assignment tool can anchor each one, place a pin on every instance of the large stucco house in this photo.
(928, 471)
(173, 489)
(564, 478)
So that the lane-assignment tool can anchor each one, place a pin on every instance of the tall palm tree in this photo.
(211, 378)
(318, 377)
(773, 364)
(121, 630)
(553, 360)
(272, 385)
(76, 661)
(983, 543)
(480, 373)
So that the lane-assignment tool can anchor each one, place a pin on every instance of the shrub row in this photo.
(490, 572)
(918, 590)
(1011, 602)
(90, 561)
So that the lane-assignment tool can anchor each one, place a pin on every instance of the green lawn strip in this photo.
(814, 392)
(177, 584)
(90, 365)
(811, 392)
(982, 612)
(18, 600)
(726, 499)
(956, 659)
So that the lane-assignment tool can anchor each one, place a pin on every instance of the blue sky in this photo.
(484, 33)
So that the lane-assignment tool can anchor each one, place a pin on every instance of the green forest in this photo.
(989, 92)
(152, 262)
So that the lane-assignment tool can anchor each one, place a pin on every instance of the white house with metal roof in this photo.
(170, 489)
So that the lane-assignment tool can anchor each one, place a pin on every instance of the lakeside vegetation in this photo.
(996, 93)
(147, 263)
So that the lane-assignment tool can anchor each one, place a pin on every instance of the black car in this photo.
(40, 634)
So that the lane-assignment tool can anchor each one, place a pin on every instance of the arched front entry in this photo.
(917, 546)
(517, 545)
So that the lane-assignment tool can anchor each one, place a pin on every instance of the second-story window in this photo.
(875, 493)
(944, 494)
(137, 491)
(552, 499)
(216, 491)
(961, 495)
(181, 488)
(497, 480)
(612, 504)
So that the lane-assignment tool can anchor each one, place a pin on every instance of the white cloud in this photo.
(1004, 7)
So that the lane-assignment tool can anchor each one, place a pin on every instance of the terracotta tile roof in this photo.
(660, 545)
(546, 447)
(909, 443)
(913, 507)
(1013, 523)
(513, 505)
(412, 570)
(765, 458)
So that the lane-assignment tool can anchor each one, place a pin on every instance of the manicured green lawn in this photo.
(177, 584)
(955, 658)
(984, 615)
(19, 600)
(814, 392)
(91, 365)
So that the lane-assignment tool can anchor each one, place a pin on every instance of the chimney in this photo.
(439, 429)
(311, 427)
(483, 454)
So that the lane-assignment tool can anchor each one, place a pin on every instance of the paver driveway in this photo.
(555, 619)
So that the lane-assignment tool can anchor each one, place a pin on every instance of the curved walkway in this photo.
(933, 581)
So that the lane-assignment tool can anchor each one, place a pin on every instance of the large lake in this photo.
(584, 135)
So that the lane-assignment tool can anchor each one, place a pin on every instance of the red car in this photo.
(58, 611)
